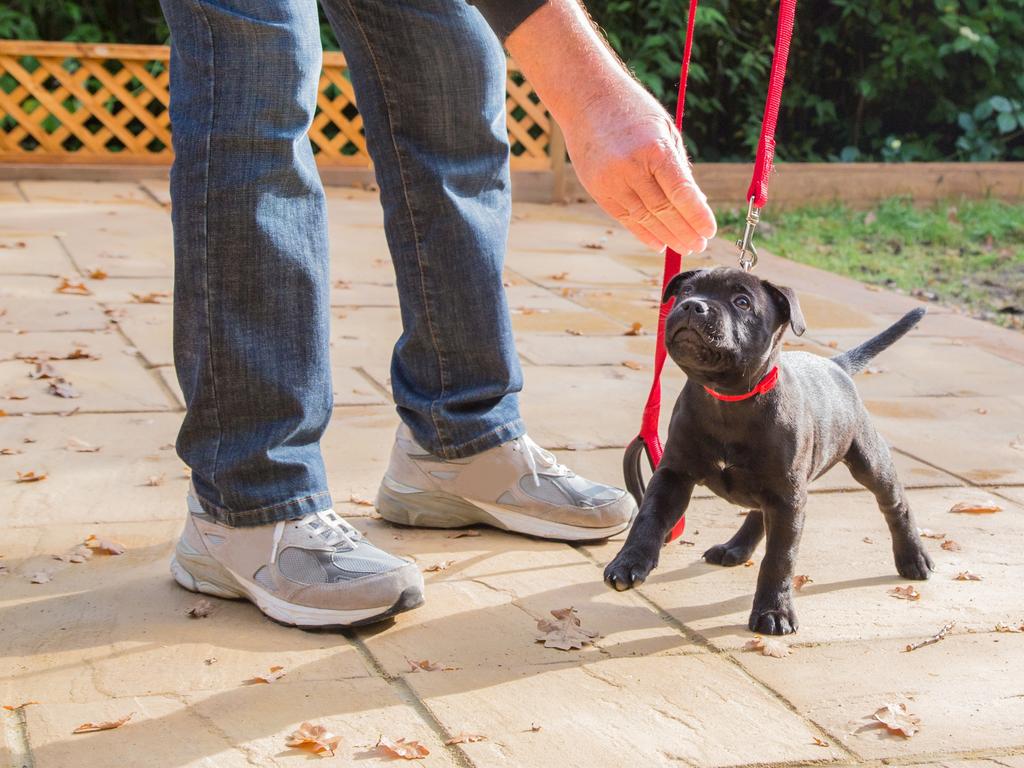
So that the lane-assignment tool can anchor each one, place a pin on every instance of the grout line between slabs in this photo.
(16, 737)
(409, 697)
(701, 641)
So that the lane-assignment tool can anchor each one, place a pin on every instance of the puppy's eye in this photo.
(742, 302)
(687, 289)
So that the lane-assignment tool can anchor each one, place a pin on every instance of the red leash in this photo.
(648, 441)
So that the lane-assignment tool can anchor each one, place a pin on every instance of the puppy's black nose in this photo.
(694, 306)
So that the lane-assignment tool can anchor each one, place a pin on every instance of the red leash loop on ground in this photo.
(648, 440)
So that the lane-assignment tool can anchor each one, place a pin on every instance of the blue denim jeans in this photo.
(251, 298)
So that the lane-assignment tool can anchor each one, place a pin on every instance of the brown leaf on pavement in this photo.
(16, 707)
(98, 274)
(905, 593)
(30, 477)
(78, 554)
(9, 451)
(768, 646)
(465, 738)
(361, 501)
(61, 387)
(564, 633)
(976, 507)
(819, 742)
(153, 297)
(154, 480)
(1002, 626)
(200, 610)
(573, 332)
(78, 289)
(15, 396)
(426, 665)
(109, 725)
(315, 739)
(595, 245)
(560, 276)
(633, 365)
(43, 370)
(967, 576)
(801, 581)
(898, 719)
(441, 566)
(106, 546)
(80, 446)
(950, 546)
(407, 750)
(636, 329)
(41, 577)
(927, 533)
(275, 673)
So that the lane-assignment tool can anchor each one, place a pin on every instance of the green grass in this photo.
(965, 253)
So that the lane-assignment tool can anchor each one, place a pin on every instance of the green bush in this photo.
(886, 80)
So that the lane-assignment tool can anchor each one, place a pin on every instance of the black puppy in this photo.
(756, 427)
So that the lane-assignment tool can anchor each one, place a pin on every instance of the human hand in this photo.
(629, 156)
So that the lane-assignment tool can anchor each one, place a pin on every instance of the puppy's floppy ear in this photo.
(675, 284)
(787, 302)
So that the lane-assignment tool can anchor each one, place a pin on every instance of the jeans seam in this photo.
(206, 242)
(388, 113)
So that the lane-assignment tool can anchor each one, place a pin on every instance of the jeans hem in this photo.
(275, 513)
(510, 430)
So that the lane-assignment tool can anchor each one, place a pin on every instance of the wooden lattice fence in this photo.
(73, 103)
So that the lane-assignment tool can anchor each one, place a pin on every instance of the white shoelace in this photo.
(332, 529)
(534, 452)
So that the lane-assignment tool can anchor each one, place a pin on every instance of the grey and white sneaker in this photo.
(516, 486)
(315, 572)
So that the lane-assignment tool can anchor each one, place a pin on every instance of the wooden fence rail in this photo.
(71, 103)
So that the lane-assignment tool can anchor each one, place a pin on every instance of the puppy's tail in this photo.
(856, 360)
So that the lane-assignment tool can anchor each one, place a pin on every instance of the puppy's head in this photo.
(726, 324)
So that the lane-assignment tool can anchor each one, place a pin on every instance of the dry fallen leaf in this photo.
(441, 566)
(748, 564)
(950, 546)
(9, 451)
(151, 298)
(98, 274)
(106, 546)
(801, 581)
(361, 501)
(868, 540)
(819, 742)
(560, 276)
(78, 289)
(41, 577)
(16, 707)
(61, 387)
(1002, 626)
(154, 480)
(898, 719)
(407, 750)
(80, 446)
(315, 739)
(30, 477)
(905, 593)
(768, 646)
(573, 332)
(976, 507)
(594, 246)
(465, 738)
(275, 673)
(534, 728)
(106, 726)
(967, 576)
(43, 371)
(426, 665)
(927, 533)
(633, 365)
(636, 329)
(565, 632)
(200, 610)
(78, 554)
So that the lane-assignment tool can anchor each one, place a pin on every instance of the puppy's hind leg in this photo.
(871, 465)
(741, 546)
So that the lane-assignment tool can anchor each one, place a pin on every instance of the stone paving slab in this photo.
(655, 711)
(28, 251)
(33, 304)
(483, 607)
(849, 598)
(967, 690)
(94, 192)
(115, 382)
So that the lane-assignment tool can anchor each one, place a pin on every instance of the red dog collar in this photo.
(767, 384)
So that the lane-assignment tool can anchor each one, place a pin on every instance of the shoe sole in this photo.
(436, 509)
(205, 575)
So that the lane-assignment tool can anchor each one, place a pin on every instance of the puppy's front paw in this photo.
(914, 564)
(723, 554)
(777, 619)
(629, 569)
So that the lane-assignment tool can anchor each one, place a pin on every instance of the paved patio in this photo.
(667, 683)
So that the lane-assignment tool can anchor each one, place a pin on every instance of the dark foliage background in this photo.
(883, 80)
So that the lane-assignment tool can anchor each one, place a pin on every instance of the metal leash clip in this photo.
(748, 253)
